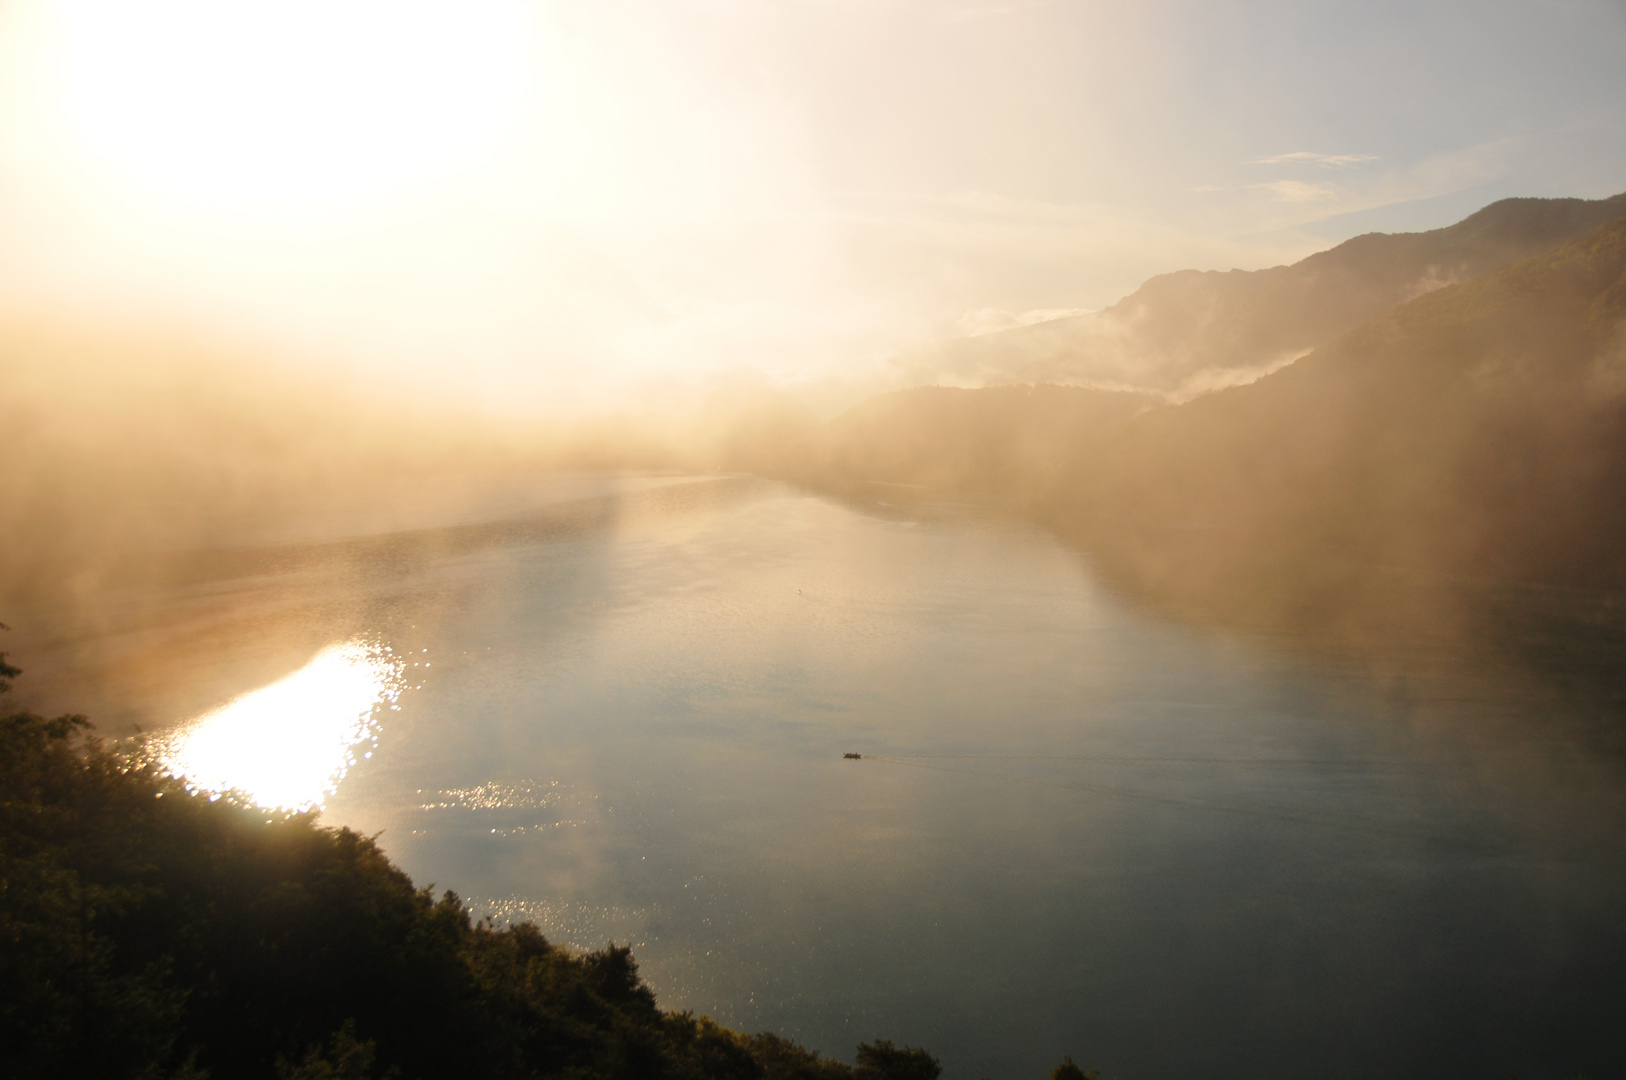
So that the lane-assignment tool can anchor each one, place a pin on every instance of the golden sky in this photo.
(545, 202)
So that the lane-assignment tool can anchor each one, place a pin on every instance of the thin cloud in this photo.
(1297, 191)
(986, 11)
(979, 321)
(1326, 161)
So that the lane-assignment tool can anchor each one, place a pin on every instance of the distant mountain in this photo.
(1192, 331)
(1477, 434)
(1469, 440)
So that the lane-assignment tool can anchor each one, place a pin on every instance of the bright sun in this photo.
(268, 106)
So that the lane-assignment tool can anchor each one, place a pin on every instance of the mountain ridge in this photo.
(1465, 442)
(1190, 331)
(1470, 392)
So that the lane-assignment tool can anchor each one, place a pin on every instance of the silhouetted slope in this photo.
(1191, 331)
(150, 932)
(1472, 438)
(1477, 432)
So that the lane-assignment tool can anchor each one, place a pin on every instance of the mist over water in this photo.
(1078, 827)
(1023, 529)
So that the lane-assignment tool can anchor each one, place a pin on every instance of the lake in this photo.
(620, 706)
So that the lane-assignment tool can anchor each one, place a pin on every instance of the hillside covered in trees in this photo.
(149, 931)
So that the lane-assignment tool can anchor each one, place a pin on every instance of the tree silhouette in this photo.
(880, 1060)
(1069, 1071)
(150, 932)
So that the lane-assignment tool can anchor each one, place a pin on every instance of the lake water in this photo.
(1076, 828)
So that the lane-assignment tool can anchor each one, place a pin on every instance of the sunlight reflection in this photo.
(289, 744)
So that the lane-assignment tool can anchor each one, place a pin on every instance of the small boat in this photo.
(854, 757)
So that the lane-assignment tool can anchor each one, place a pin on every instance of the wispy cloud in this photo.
(984, 11)
(979, 321)
(1297, 191)
(1326, 161)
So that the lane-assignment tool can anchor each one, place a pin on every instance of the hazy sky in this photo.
(537, 201)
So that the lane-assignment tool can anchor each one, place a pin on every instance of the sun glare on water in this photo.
(289, 744)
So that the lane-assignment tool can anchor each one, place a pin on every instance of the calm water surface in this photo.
(1077, 828)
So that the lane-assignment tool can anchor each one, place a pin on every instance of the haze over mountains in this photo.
(1188, 332)
(1476, 434)
(1469, 431)
(1471, 434)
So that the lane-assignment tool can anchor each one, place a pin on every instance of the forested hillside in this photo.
(147, 932)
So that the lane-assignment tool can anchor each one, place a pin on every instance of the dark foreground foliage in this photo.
(147, 932)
